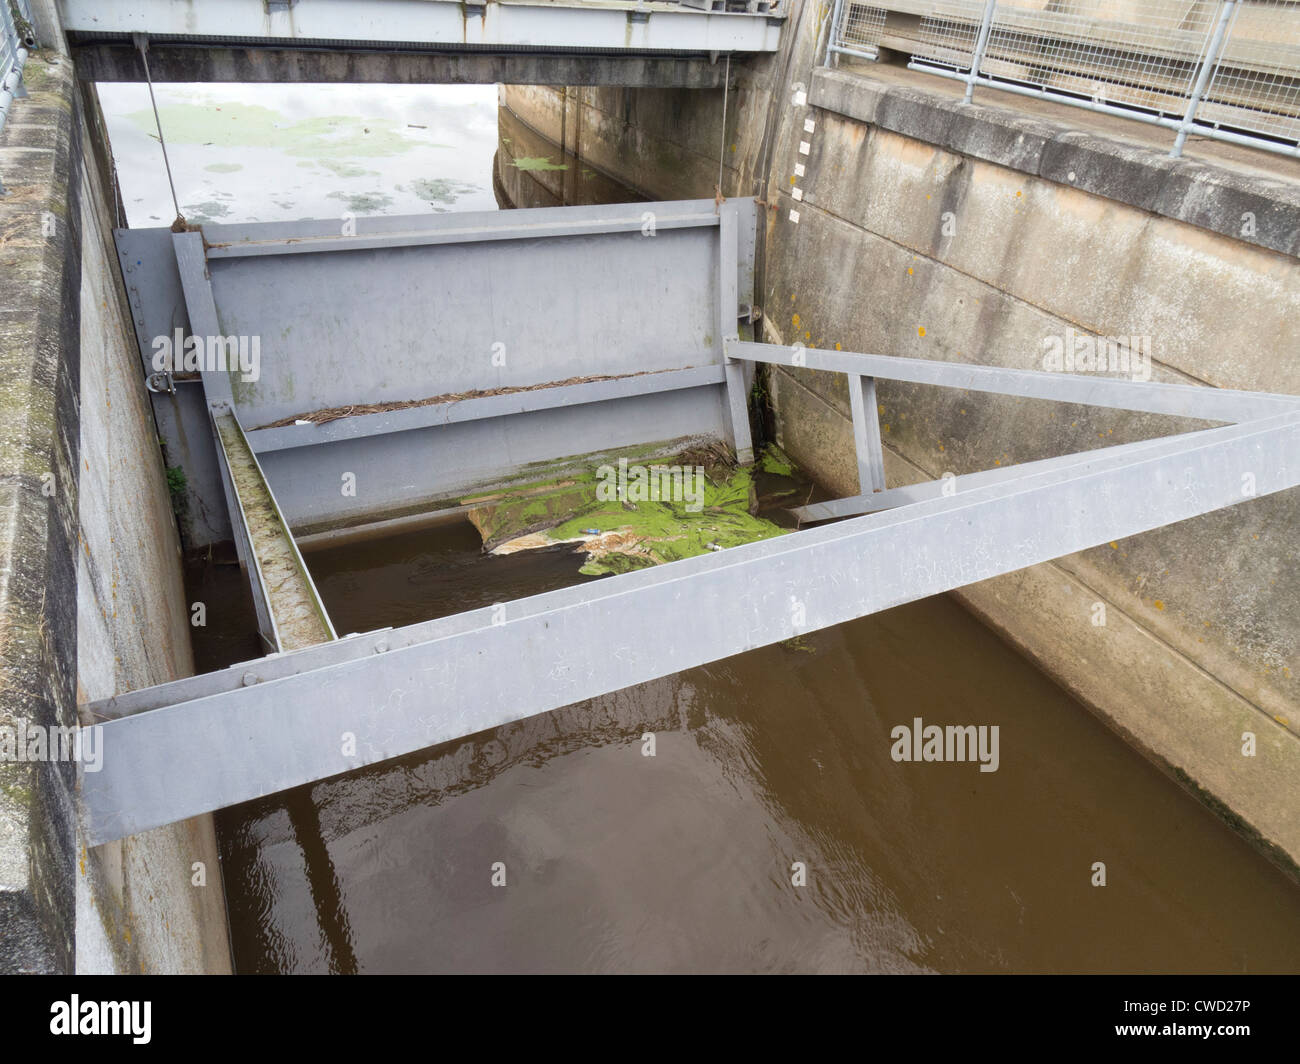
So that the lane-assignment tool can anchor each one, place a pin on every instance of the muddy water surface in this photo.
(615, 861)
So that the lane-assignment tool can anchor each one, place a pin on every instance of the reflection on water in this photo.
(615, 861)
(532, 171)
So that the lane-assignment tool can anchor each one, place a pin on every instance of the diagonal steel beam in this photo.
(179, 760)
(290, 613)
(1184, 400)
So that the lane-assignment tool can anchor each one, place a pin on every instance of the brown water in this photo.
(681, 862)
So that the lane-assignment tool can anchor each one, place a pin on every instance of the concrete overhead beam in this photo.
(637, 44)
(119, 61)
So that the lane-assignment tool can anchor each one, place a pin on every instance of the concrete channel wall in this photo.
(91, 597)
(929, 229)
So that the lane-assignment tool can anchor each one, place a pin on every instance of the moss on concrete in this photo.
(620, 530)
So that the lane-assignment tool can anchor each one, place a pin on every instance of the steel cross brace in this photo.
(212, 741)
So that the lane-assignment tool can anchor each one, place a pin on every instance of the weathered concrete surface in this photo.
(121, 62)
(39, 451)
(974, 234)
(91, 601)
(1205, 195)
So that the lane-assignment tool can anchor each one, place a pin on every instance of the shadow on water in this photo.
(682, 861)
(530, 170)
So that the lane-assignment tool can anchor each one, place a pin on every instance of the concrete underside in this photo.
(973, 234)
(189, 63)
(91, 598)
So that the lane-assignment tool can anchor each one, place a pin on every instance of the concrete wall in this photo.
(91, 600)
(972, 233)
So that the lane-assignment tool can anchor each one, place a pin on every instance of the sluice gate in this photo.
(406, 362)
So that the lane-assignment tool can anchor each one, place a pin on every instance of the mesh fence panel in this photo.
(1142, 53)
(861, 27)
(949, 32)
(1116, 54)
(1255, 87)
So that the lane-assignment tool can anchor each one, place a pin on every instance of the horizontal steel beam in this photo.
(1183, 400)
(508, 229)
(477, 409)
(875, 502)
(608, 26)
(179, 760)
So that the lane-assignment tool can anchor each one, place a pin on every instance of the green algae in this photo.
(622, 533)
(300, 618)
(208, 211)
(440, 189)
(363, 202)
(342, 168)
(774, 461)
(537, 162)
(241, 125)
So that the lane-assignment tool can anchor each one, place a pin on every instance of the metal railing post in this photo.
(15, 44)
(835, 28)
(981, 42)
(1203, 76)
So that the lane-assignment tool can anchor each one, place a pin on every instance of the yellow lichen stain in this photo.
(1280, 719)
(1158, 604)
(837, 346)
(909, 271)
(1019, 193)
(881, 408)
(794, 320)
(807, 335)
(886, 428)
(792, 179)
(1114, 545)
(920, 330)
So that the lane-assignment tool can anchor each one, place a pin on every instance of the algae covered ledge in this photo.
(627, 511)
